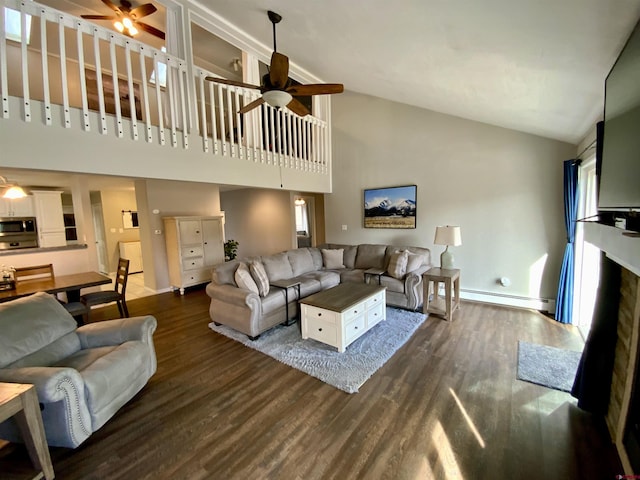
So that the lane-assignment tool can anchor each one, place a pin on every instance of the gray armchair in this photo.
(83, 376)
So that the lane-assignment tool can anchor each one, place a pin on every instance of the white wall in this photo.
(504, 189)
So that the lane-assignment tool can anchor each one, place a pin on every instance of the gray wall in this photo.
(504, 189)
(260, 220)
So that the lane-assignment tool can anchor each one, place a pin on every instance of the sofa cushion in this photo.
(260, 276)
(49, 354)
(350, 251)
(352, 276)
(244, 279)
(392, 284)
(31, 323)
(277, 267)
(398, 264)
(371, 256)
(414, 261)
(301, 261)
(316, 255)
(224, 273)
(333, 258)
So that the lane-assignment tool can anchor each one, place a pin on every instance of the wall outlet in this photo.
(344, 227)
(158, 232)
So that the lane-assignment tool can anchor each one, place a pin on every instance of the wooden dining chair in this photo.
(42, 272)
(116, 295)
(36, 272)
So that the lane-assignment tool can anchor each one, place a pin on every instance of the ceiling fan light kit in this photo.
(127, 20)
(277, 98)
(277, 88)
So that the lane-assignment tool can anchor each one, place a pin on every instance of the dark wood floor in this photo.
(446, 406)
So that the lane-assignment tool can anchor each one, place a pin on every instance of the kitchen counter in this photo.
(24, 251)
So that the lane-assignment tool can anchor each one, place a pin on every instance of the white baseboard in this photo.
(543, 304)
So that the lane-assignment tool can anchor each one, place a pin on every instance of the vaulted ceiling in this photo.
(536, 66)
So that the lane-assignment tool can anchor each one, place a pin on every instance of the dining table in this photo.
(70, 284)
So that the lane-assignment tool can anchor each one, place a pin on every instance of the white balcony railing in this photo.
(55, 70)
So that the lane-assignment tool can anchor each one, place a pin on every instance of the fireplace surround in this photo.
(624, 251)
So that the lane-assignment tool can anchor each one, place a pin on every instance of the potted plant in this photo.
(230, 250)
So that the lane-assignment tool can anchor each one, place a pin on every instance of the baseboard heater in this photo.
(543, 304)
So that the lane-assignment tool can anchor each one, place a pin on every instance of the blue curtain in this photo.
(564, 301)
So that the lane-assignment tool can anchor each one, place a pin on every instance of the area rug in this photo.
(547, 366)
(346, 371)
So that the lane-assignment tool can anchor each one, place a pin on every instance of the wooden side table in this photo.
(20, 400)
(451, 280)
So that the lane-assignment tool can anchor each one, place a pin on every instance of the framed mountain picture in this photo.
(390, 207)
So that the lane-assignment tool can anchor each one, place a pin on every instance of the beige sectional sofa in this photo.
(252, 305)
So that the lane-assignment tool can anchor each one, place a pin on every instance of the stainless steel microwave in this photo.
(18, 232)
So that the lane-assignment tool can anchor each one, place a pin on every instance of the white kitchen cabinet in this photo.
(194, 245)
(17, 207)
(132, 252)
(48, 210)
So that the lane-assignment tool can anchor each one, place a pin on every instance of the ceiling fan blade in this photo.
(98, 17)
(279, 70)
(112, 6)
(315, 89)
(149, 29)
(298, 108)
(250, 106)
(231, 82)
(142, 11)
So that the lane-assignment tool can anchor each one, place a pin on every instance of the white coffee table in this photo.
(341, 314)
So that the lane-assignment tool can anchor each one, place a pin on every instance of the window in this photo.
(162, 73)
(12, 25)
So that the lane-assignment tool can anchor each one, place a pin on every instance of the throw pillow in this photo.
(245, 280)
(398, 264)
(414, 262)
(333, 258)
(260, 276)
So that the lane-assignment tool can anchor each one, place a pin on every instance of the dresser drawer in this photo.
(377, 299)
(315, 313)
(322, 331)
(354, 329)
(195, 251)
(192, 263)
(196, 277)
(375, 314)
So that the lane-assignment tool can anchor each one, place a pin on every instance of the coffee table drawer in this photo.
(353, 312)
(315, 313)
(322, 331)
(375, 315)
(377, 299)
(354, 329)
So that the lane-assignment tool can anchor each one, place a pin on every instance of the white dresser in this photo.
(194, 245)
(342, 314)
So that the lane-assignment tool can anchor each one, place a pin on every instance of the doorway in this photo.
(587, 256)
(304, 208)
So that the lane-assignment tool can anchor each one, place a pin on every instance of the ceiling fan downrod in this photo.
(275, 18)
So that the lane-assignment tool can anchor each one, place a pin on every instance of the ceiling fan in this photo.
(277, 89)
(127, 20)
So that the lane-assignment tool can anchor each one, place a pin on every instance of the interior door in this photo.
(101, 241)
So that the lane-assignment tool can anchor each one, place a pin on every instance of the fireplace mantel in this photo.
(622, 249)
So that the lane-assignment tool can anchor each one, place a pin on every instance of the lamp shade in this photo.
(448, 235)
(277, 98)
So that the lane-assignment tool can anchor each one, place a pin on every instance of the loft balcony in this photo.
(67, 82)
